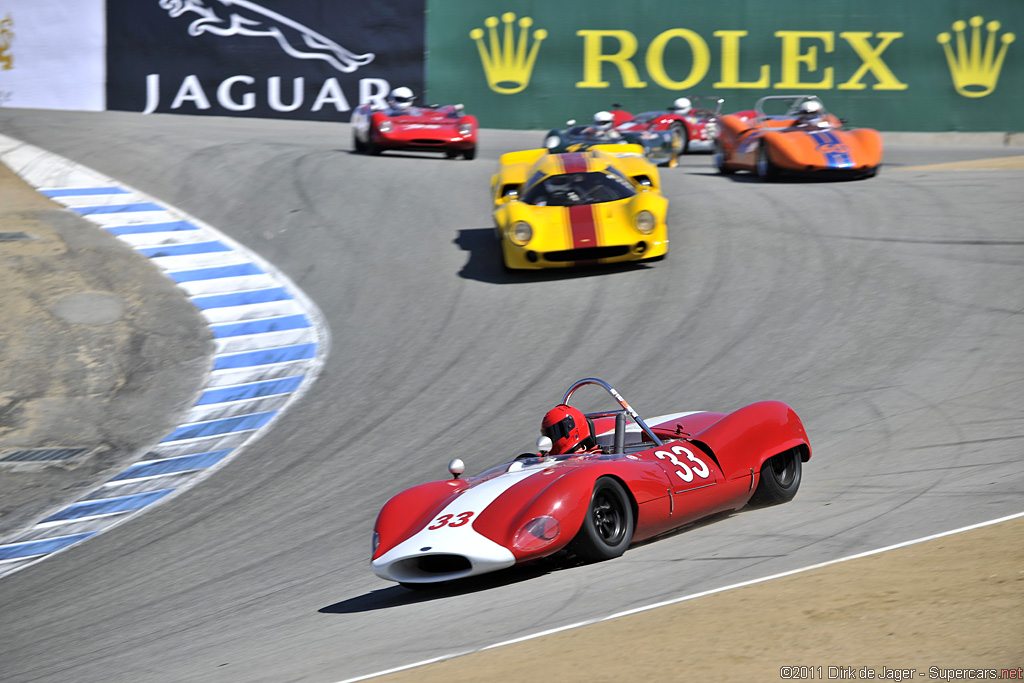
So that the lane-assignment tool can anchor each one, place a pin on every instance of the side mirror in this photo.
(456, 467)
(544, 445)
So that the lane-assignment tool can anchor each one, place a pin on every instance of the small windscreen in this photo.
(572, 189)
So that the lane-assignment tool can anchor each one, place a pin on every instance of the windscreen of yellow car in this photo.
(574, 189)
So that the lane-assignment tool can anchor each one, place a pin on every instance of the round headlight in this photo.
(520, 233)
(537, 533)
(645, 222)
(385, 126)
(376, 542)
(465, 129)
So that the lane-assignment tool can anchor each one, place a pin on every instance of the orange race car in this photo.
(795, 135)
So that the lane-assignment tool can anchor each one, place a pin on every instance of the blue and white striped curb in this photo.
(270, 344)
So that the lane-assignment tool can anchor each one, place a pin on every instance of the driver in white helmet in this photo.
(603, 127)
(400, 100)
(811, 114)
(682, 106)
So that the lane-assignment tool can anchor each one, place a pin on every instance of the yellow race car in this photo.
(559, 210)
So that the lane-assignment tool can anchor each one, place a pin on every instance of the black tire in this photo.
(608, 527)
(371, 148)
(358, 145)
(451, 154)
(765, 167)
(719, 159)
(469, 154)
(683, 143)
(780, 478)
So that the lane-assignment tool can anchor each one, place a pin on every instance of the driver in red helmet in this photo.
(570, 430)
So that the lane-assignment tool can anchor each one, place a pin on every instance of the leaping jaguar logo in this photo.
(249, 19)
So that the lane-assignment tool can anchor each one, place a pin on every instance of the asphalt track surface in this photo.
(887, 312)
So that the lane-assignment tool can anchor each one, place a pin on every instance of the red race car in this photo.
(695, 118)
(595, 487)
(402, 126)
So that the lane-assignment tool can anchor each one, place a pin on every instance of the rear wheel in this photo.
(780, 478)
(608, 527)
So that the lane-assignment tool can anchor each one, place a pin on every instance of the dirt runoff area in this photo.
(947, 609)
(100, 355)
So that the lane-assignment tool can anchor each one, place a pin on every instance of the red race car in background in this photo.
(402, 126)
(695, 118)
(596, 487)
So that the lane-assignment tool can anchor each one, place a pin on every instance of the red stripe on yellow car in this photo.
(583, 226)
(574, 163)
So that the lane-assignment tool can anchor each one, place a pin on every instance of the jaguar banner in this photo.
(308, 59)
(942, 65)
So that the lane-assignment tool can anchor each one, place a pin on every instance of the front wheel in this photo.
(469, 154)
(608, 527)
(765, 168)
(719, 159)
(780, 478)
(680, 138)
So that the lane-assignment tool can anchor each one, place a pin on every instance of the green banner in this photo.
(929, 65)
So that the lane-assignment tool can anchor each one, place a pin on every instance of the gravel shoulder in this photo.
(100, 354)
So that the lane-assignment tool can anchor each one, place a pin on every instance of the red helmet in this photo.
(568, 429)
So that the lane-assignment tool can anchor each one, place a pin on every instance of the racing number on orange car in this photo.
(833, 148)
(445, 520)
(685, 473)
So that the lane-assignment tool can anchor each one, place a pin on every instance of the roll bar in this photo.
(618, 397)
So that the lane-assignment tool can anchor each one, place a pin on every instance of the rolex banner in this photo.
(309, 59)
(939, 65)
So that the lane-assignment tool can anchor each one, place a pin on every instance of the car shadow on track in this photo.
(752, 178)
(485, 263)
(405, 154)
(396, 596)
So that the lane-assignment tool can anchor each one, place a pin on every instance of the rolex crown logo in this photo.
(975, 68)
(508, 63)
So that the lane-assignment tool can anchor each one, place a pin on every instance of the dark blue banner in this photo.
(299, 59)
